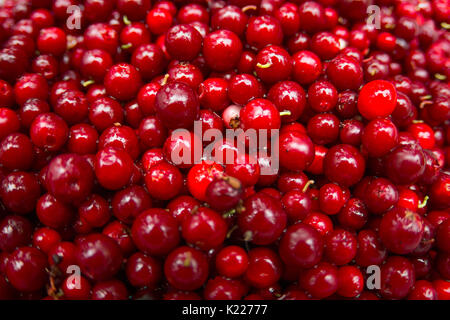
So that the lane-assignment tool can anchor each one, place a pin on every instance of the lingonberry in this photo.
(230, 18)
(326, 45)
(344, 165)
(74, 290)
(120, 137)
(82, 139)
(319, 221)
(263, 219)
(222, 50)
(262, 31)
(155, 232)
(53, 212)
(296, 204)
(159, 20)
(45, 65)
(95, 64)
(443, 236)
(52, 40)
(220, 288)
(186, 268)
(423, 290)
(350, 281)
(273, 64)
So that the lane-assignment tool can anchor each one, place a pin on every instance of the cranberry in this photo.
(289, 98)
(186, 268)
(331, 199)
(205, 229)
(76, 291)
(263, 30)
(244, 87)
(296, 151)
(26, 269)
(15, 231)
(405, 164)
(95, 211)
(16, 152)
(263, 220)
(49, 131)
(95, 63)
(183, 42)
(397, 278)
(143, 271)
(370, 249)
(109, 290)
(122, 81)
(20, 191)
(113, 168)
(213, 94)
(323, 128)
(70, 178)
(98, 256)
(350, 282)
(301, 246)
(306, 67)
(52, 41)
(375, 94)
(222, 50)
(30, 86)
(232, 261)
(224, 194)
(177, 105)
(380, 195)
(273, 64)
(344, 164)
(264, 268)
(164, 181)
(379, 137)
(321, 281)
(345, 73)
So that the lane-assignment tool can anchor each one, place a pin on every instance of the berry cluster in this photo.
(90, 100)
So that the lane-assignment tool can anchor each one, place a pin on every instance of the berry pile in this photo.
(91, 95)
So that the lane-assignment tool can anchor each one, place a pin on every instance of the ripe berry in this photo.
(377, 99)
